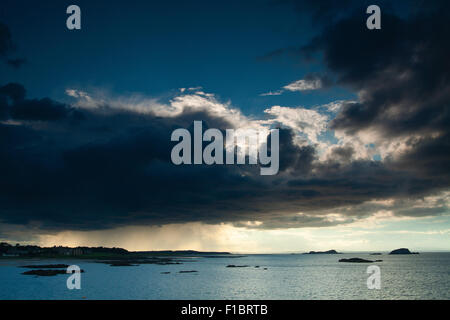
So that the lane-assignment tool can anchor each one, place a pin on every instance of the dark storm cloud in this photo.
(402, 71)
(91, 168)
(342, 154)
(14, 105)
(428, 158)
(13, 91)
(403, 75)
(113, 168)
(295, 159)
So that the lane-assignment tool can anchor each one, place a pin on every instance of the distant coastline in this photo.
(32, 251)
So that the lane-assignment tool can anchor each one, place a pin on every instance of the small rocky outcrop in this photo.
(356, 260)
(235, 266)
(123, 264)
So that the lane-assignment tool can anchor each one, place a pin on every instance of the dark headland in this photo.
(115, 257)
(32, 251)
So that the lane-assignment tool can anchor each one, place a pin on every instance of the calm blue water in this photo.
(423, 276)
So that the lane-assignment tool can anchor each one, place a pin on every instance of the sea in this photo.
(265, 276)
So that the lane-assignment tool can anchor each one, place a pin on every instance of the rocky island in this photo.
(323, 252)
(402, 251)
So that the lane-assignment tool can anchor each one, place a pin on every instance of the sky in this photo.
(86, 118)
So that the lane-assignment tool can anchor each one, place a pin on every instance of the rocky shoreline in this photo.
(136, 262)
(46, 266)
(46, 272)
